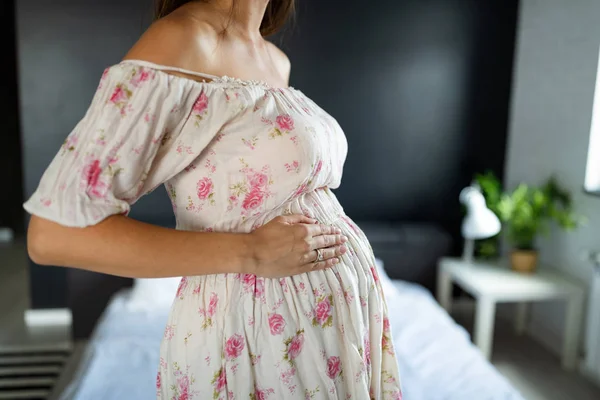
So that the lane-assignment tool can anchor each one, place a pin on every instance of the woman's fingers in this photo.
(327, 254)
(315, 266)
(320, 229)
(325, 241)
(331, 252)
(298, 219)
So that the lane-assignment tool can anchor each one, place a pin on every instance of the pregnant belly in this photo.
(317, 299)
(230, 321)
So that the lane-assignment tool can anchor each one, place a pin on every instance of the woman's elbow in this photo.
(39, 240)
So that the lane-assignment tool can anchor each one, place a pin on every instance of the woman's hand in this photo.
(288, 245)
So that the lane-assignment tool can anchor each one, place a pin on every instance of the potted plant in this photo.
(527, 212)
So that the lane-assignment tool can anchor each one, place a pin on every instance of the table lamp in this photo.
(479, 223)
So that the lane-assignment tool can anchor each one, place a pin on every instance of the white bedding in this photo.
(436, 358)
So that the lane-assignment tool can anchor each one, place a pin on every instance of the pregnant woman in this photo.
(280, 297)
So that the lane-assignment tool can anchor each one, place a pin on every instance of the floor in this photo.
(532, 370)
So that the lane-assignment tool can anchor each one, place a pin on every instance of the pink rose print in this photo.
(397, 395)
(363, 301)
(169, 332)
(334, 367)
(301, 190)
(276, 324)
(184, 385)
(200, 107)
(201, 104)
(234, 346)
(285, 122)
(318, 167)
(293, 167)
(141, 76)
(374, 273)
(322, 312)
(209, 312)
(253, 200)
(386, 324)
(259, 288)
(158, 381)
(261, 394)
(294, 347)
(91, 174)
(249, 280)
(219, 382)
(258, 180)
(212, 305)
(204, 188)
(367, 344)
(182, 285)
(254, 285)
(120, 94)
(286, 376)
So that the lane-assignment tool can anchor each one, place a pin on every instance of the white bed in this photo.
(436, 358)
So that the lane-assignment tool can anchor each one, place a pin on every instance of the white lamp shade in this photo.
(480, 222)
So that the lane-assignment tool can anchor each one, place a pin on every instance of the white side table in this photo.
(491, 283)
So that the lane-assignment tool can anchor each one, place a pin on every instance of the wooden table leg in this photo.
(484, 325)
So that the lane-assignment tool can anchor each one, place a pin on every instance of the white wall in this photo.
(553, 90)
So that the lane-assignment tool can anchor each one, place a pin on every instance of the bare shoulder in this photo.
(178, 41)
(281, 60)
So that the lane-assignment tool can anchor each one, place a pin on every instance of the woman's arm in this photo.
(126, 247)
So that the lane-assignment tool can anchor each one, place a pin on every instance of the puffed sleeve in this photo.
(142, 128)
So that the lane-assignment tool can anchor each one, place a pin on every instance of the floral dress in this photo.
(233, 155)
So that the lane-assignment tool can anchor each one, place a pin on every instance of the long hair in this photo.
(276, 15)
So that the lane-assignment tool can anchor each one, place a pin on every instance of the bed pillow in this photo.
(150, 294)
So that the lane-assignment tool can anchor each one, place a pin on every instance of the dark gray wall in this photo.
(11, 194)
(421, 88)
(63, 48)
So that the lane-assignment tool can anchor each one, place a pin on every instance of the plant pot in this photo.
(524, 261)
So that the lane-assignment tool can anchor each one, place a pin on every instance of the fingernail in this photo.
(344, 239)
(336, 260)
(337, 230)
(343, 249)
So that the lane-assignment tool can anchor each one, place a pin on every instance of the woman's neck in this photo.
(241, 17)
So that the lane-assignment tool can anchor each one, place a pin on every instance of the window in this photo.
(592, 171)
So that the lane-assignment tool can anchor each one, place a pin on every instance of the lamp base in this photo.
(468, 251)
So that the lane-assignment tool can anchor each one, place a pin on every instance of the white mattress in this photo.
(436, 358)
